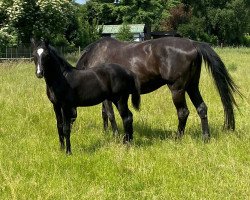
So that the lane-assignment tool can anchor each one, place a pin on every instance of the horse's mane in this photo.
(88, 49)
(92, 45)
(60, 58)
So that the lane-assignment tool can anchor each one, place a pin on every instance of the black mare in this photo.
(69, 88)
(172, 61)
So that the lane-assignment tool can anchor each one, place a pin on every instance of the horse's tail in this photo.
(223, 81)
(136, 97)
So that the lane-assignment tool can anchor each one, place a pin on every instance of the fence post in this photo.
(30, 50)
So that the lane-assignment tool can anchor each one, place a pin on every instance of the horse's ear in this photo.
(33, 42)
(46, 42)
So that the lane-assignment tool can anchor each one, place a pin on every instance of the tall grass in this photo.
(154, 166)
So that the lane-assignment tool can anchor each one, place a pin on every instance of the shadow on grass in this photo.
(147, 135)
(196, 133)
(92, 147)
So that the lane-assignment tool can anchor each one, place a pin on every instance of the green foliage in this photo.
(225, 20)
(68, 23)
(145, 11)
(39, 18)
(124, 33)
(154, 166)
(88, 29)
(195, 29)
(177, 16)
(246, 40)
(8, 36)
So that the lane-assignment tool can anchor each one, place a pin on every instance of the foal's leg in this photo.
(107, 111)
(59, 119)
(104, 117)
(67, 114)
(73, 115)
(127, 118)
(195, 96)
(179, 100)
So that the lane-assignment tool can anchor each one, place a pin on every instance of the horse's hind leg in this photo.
(108, 113)
(195, 96)
(59, 119)
(104, 117)
(179, 100)
(127, 118)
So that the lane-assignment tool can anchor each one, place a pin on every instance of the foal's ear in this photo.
(46, 42)
(33, 42)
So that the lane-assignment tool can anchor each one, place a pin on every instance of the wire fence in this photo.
(20, 52)
(24, 51)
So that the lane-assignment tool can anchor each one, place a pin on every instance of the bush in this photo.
(195, 30)
(125, 34)
(246, 40)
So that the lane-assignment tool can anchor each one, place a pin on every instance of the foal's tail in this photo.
(136, 97)
(222, 79)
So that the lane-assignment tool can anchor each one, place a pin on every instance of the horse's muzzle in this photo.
(39, 75)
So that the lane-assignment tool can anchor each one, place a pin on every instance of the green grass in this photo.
(154, 166)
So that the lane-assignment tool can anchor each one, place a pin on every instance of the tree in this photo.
(8, 35)
(124, 33)
(178, 15)
(38, 17)
(230, 23)
(227, 20)
(128, 11)
(88, 30)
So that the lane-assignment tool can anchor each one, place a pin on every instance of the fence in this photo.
(24, 51)
(20, 52)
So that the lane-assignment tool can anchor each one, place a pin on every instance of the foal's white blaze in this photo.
(39, 52)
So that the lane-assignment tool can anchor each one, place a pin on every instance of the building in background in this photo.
(138, 30)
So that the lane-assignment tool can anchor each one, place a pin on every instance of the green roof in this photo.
(134, 28)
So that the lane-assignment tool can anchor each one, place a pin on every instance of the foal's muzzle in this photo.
(39, 75)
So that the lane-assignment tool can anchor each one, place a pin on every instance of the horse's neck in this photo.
(54, 75)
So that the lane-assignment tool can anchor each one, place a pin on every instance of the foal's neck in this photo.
(57, 68)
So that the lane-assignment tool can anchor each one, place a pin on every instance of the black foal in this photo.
(69, 88)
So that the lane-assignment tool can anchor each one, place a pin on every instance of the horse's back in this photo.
(114, 72)
(130, 54)
(154, 61)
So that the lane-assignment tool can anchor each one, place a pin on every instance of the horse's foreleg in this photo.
(59, 119)
(127, 118)
(67, 127)
(109, 112)
(73, 115)
(195, 96)
(182, 110)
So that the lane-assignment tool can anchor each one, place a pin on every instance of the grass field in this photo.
(154, 166)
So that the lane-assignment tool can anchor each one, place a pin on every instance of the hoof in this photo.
(68, 153)
(115, 133)
(178, 136)
(206, 138)
(127, 139)
(62, 147)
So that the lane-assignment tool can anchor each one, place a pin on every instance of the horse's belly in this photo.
(152, 85)
(89, 102)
